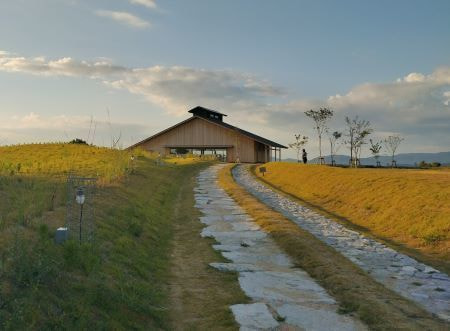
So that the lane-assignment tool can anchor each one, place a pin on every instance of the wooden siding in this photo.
(199, 133)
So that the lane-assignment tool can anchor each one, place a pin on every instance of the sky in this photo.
(131, 68)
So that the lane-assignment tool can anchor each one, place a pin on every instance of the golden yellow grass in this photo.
(187, 159)
(408, 207)
(60, 159)
(182, 160)
(356, 292)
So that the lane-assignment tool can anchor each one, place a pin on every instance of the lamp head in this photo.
(80, 197)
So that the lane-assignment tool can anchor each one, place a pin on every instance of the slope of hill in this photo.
(406, 159)
(118, 281)
(408, 207)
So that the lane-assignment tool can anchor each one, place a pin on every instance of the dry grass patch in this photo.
(356, 292)
(58, 159)
(407, 208)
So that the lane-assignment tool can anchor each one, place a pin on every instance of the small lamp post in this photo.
(80, 198)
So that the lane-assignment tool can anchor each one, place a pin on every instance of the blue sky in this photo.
(262, 62)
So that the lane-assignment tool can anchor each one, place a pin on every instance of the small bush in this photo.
(78, 141)
(424, 164)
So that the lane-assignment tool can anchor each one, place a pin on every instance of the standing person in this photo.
(304, 156)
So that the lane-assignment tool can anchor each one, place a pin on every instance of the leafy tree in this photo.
(78, 141)
(424, 164)
(320, 118)
(300, 141)
(375, 148)
(333, 138)
(391, 143)
(357, 132)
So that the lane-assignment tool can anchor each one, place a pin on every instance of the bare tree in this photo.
(357, 132)
(391, 143)
(115, 140)
(300, 141)
(93, 135)
(320, 118)
(333, 138)
(90, 128)
(375, 148)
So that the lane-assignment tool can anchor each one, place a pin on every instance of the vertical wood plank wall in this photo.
(200, 133)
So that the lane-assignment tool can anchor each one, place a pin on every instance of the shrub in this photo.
(78, 141)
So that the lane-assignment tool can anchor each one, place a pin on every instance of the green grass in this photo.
(117, 282)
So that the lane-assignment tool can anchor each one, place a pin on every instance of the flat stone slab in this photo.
(255, 316)
(266, 273)
(414, 280)
(315, 319)
(232, 267)
(294, 286)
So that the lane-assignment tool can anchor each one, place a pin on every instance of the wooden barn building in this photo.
(206, 133)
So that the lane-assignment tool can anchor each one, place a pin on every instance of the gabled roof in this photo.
(246, 133)
(219, 123)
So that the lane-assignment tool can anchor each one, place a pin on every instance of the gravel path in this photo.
(283, 297)
(408, 277)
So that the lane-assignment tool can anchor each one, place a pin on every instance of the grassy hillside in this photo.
(119, 281)
(60, 159)
(355, 291)
(409, 207)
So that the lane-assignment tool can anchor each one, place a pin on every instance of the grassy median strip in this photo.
(356, 292)
(200, 296)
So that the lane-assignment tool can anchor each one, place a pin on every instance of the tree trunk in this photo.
(320, 148)
(351, 150)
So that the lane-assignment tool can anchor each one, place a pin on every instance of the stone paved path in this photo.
(283, 296)
(413, 280)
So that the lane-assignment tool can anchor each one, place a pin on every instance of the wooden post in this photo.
(279, 150)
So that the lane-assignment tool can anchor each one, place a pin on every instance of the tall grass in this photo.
(60, 159)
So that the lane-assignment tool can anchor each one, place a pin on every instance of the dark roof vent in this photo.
(207, 113)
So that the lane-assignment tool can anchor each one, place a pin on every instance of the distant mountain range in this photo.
(406, 159)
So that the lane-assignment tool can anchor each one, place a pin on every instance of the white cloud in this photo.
(416, 106)
(124, 18)
(172, 88)
(178, 88)
(446, 96)
(61, 67)
(35, 127)
(413, 77)
(147, 3)
(414, 97)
